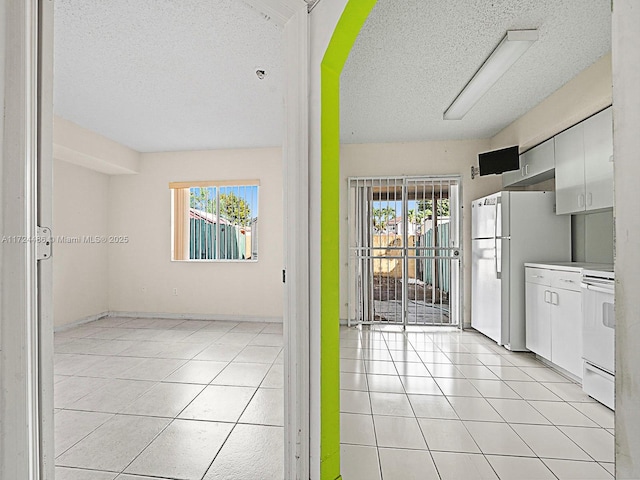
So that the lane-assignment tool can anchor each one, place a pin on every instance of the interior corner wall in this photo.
(419, 158)
(142, 276)
(80, 272)
(592, 237)
(626, 144)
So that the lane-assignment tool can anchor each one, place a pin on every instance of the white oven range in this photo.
(598, 379)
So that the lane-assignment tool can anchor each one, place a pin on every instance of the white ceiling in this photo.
(162, 75)
(414, 56)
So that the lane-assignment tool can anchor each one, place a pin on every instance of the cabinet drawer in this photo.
(538, 276)
(566, 280)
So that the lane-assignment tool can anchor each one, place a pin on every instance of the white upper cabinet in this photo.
(536, 165)
(570, 170)
(584, 165)
(598, 160)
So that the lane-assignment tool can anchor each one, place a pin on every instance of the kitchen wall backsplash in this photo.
(592, 237)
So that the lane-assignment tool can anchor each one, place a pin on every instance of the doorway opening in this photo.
(405, 251)
(180, 356)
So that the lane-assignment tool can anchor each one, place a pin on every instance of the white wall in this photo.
(420, 158)
(592, 237)
(84, 161)
(2, 78)
(141, 274)
(80, 280)
(91, 279)
(626, 120)
(89, 149)
(585, 94)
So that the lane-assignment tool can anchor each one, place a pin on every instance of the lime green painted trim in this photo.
(345, 34)
(330, 281)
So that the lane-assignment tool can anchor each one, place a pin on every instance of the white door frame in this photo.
(296, 243)
(26, 333)
(292, 16)
(360, 250)
(26, 342)
(296, 224)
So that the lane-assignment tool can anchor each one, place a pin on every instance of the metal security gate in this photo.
(404, 250)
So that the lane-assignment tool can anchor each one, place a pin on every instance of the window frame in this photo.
(180, 219)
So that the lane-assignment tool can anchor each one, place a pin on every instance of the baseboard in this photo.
(198, 316)
(172, 316)
(560, 370)
(82, 321)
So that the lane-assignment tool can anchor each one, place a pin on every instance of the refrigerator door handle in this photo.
(497, 226)
(495, 222)
(497, 253)
(495, 256)
(498, 220)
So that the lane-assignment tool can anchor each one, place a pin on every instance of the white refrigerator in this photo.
(509, 229)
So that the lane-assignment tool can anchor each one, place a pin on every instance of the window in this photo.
(214, 220)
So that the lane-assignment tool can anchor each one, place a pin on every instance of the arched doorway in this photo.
(344, 35)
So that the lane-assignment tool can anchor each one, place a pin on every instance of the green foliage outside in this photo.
(235, 209)
(424, 210)
(203, 200)
(232, 208)
(382, 217)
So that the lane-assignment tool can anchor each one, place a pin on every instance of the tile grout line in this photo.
(96, 428)
(373, 422)
(561, 400)
(154, 383)
(433, 460)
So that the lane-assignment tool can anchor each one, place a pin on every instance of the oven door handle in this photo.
(594, 288)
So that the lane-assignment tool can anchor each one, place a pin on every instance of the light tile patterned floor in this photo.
(169, 399)
(444, 404)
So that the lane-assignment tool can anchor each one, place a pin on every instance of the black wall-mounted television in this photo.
(499, 161)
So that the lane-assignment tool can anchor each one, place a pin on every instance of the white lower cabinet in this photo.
(554, 317)
(538, 332)
(566, 331)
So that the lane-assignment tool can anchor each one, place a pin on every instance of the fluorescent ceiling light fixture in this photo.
(510, 49)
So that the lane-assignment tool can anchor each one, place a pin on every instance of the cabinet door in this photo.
(538, 160)
(537, 319)
(566, 330)
(598, 160)
(569, 154)
(536, 165)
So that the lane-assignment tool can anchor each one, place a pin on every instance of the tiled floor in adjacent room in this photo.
(454, 405)
(169, 399)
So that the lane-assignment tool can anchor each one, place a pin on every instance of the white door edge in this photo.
(296, 245)
(27, 342)
(27, 356)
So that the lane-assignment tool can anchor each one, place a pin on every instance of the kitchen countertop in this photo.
(570, 266)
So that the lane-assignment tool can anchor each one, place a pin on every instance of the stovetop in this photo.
(605, 273)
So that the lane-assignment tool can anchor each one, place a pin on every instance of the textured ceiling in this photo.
(413, 57)
(161, 75)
